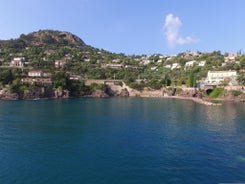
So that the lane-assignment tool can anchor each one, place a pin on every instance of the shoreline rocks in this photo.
(117, 91)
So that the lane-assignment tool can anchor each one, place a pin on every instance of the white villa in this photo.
(35, 73)
(190, 63)
(175, 66)
(202, 63)
(115, 66)
(168, 66)
(18, 62)
(216, 77)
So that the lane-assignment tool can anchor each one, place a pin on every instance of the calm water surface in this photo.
(117, 140)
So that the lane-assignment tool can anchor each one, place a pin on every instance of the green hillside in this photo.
(63, 57)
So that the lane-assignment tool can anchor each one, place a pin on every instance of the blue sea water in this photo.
(121, 141)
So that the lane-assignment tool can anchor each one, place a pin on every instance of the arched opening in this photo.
(208, 91)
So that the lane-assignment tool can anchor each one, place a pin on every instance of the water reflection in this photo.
(226, 115)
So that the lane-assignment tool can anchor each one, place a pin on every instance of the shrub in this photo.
(178, 90)
(137, 86)
(154, 84)
(217, 92)
(236, 92)
(95, 87)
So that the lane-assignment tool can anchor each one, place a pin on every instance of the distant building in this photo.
(35, 73)
(87, 60)
(190, 63)
(116, 60)
(37, 81)
(60, 63)
(168, 66)
(18, 62)
(190, 54)
(231, 57)
(216, 77)
(132, 67)
(75, 77)
(175, 66)
(144, 60)
(154, 68)
(201, 63)
(115, 66)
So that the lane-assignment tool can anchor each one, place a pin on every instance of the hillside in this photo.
(56, 60)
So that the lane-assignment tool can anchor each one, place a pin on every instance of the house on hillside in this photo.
(132, 67)
(18, 62)
(116, 60)
(36, 73)
(60, 63)
(216, 77)
(202, 63)
(231, 57)
(168, 66)
(190, 54)
(115, 66)
(37, 81)
(75, 77)
(190, 63)
(175, 66)
(145, 60)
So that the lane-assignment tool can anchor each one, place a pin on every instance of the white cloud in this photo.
(172, 27)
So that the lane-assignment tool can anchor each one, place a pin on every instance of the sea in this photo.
(121, 141)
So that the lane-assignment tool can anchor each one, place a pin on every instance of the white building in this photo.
(35, 73)
(216, 77)
(175, 66)
(168, 66)
(154, 68)
(202, 63)
(190, 63)
(146, 62)
(116, 60)
(18, 62)
(115, 66)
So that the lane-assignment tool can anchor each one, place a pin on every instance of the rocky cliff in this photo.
(44, 37)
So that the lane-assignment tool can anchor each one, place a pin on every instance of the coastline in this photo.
(159, 94)
(194, 99)
(135, 94)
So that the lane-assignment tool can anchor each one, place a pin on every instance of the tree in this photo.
(242, 61)
(6, 76)
(192, 82)
(241, 79)
(155, 84)
(61, 80)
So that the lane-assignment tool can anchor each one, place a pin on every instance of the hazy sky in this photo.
(133, 26)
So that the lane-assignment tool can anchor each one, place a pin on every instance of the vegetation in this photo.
(236, 93)
(217, 92)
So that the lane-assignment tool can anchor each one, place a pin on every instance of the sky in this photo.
(133, 26)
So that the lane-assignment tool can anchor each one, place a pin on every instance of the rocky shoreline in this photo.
(117, 91)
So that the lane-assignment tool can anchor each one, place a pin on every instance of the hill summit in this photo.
(45, 37)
